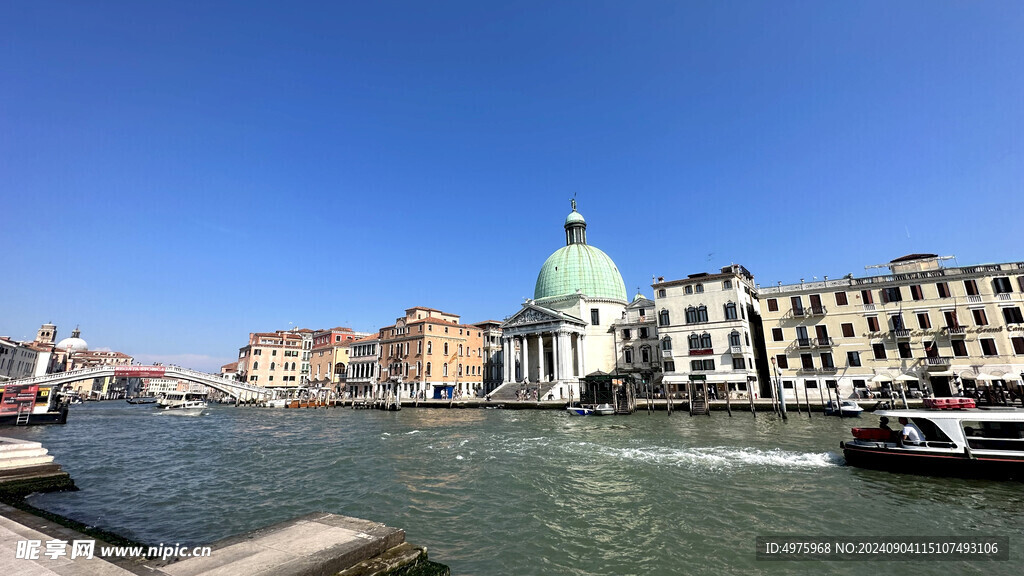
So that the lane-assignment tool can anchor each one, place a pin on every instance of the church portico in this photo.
(545, 345)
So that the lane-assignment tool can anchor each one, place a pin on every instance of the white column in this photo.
(583, 355)
(526, 357)
(556, 356)
(566, 354)
(541, 373)
(506, 345)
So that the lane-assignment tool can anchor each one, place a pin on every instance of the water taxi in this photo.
(847, 409)
(186, 408)
(958, 440)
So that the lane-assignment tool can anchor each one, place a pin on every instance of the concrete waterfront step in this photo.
(15, 454)
(10, 447)
(313, 544)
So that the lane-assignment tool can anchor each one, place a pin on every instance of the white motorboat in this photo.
(579, 410)
(604, 410)
(187, 408)
(847, 409)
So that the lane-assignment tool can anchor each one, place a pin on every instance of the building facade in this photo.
(708, 329)
(363, 374)
(273, 359)
(430, 354)
(17, 359)
(923, 328)
(329, 359)
(493, 361)
(637, 349)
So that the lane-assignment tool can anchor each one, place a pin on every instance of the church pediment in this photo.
(534, 314)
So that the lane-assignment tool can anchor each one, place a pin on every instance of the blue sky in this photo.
(174, 175)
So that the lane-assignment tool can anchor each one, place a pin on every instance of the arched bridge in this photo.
(236, 389)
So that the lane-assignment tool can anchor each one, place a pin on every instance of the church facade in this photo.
(564, 332)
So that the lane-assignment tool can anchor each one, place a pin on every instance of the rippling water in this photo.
(516, 492)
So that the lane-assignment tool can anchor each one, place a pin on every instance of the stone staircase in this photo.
(507, 391)
(21, 460)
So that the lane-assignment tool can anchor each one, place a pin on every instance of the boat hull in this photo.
(580, 411)
(933, 463)
(59, 416)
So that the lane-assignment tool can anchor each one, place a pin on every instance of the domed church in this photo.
(564, 332)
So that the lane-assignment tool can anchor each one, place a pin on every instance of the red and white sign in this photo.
(139, 372)
(16, 396)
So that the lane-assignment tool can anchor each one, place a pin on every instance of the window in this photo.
(419, 349)
(444, 369)
(971, 286)
(688, 289)
(255, 365)
(943, 289)
(645, 354)
(272, 365)
(693, 341)
(923, 321)
(460, 349)
(627, 334)
(445, 350)
(782, 361)
(430, 347)
(841, 299)
(661, 293)
(663, 318)
(734, 338)
(892, 294)
(826, 360)
(669, 366)
(1018, 344)
(705, 341)
(666, 344)
(798, 305)
(872, 323)
(773, 305)
(730, 311)
(702, 313)
(644, 333)
(848, 330)
(627, 354)
(726, 284)
(879, 350)
(950, 317)
(702, 364)
(979, 317)
(428, 368)
(959, 348)
(1013, 315)
(738, 364)
(904, 350)
(595, 316)
(896, 321)
(777, 335)
(699, 288)
(867, 297)
(807, 361)
(853, 359)
(988, 347)
(916, 293)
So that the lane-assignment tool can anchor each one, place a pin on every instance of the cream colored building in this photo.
(637, 346)
(708, 329)
(922, 327)
(363, 372)
(273, 359)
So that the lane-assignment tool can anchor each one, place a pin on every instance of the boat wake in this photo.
(723, 457)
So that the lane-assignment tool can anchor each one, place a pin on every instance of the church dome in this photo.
(579, 266)
(74, 343)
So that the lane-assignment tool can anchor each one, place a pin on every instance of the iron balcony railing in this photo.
(938, 361)
(901, 333)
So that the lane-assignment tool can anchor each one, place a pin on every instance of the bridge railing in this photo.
(201, 377)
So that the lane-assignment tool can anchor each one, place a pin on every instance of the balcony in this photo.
(938, 362)
(814, 370)
(973, 299)
(799, 312)
(826, 342)
(1005, 296)
(735, 350)
(815, 311)
(955, 331)
(804, 342)
(869, 307)
(901, 333)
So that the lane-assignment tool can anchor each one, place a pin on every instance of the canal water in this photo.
(508, 492)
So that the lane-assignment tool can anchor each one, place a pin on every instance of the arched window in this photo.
(663, 319)
(428, 368)
(339, 368)
(272, 365)
(666, 344)
(645, 354)
(627, 354)
(255, 365)
(445, 348)
(445, 369)
(694, 342)
(734, 338)
(730, 311)
(460, 349)
(460, 369)
(293, 365)
(691, 315)
(705, 341)
(702, 313)
(418, 368)
(430, 347)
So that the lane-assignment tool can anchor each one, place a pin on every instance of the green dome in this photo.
(583, 267)
(574, 217)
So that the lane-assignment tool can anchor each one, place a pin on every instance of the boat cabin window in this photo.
(994, 435)
(931, 432)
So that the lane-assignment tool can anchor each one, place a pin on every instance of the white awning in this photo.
(906, 378)
(943, 373)
(987, 377)
(881, 378)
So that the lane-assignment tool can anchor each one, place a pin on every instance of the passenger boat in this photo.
(579, 410)
(141, 400)
(29, 405)
(186, 408)
(959, 440)
(847, 409)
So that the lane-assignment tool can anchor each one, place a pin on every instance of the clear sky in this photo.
(174, 175)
